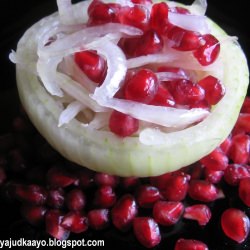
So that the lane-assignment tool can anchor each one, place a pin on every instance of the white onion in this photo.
(167, 76)
(99, 121)
(198, 7)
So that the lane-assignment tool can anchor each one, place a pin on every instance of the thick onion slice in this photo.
(102, 150)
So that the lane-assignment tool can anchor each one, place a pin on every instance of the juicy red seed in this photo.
(55, 198)
(167, 213)
(160, 181)
(184, 244)
(53, 219)
(33, 194)
(75, 222)
(214, 89)
(226, 144)
(197, 171)
(33, 214)
(3, 176)
(184, 40)
(124, 212)
(104, 197)
(128, 45)
(235, 224)
(136, 16)
(234, 173)
(58, 177)
(240, 149)
(147, 195)
(243, 124)
(142, 86)
(202, 191)
(75, 200)
(246, 105)
(201, 213)
(216, 160)
(143, 2)
(185, 92)
(163, 98)
(123, 125)
(98, 218)
(100, 13)
(159, 17)
(147, 231)
(202, 105)
(130, 182)
(102, 179)
(93, 65)
(149, 43)
(209, 51)
(213, 176)
(176, 188)
(244, 191)
(180, 10)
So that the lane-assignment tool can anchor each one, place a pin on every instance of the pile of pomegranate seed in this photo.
(201, 206)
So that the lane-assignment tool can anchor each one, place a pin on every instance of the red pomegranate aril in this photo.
(213, 176)
(234, 173)
(143, 2)
(196, 171)
(240, 149)
(235, 224)
(243, 124)
(159, 17)
(75, 200)
(147, 231)
(180, 10)
(185, 92)
(208, 52)
(201, 104)
(184, 40)
(160, 181)
(102, 179)
(149, 43)
(199, 212)
(129, 182)
(246, 105)
(104, 197)
(53, 219)
(188, 244)
(93, 65)
(202, 190)
(75, 222)
(34, 214)
(124, 212)
(58, 177)
(98, 218)
(214, 89)
(163, 98)
(122, 125)
(167, 213)
(142, 86)
(32, 194)
(244, 191)
(226, 144)
(128, 45)
(85, 178)
(55, 198)
(216, 160)
(147, 195)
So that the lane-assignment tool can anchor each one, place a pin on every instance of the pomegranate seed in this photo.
(209, 51)
(55, 198)
(32, 194)
(180, 10)
(176, 188)
(3, 176)
(124, 212)
(105, 197)
(53, 220)
(246, 105)
(213, 176)
(216, 160)
(226, 144)
(201, 104)
(160, 181)
(147, 231)
(184, 40)
(244, 191)
(159, 17)
(147, 195)
(163, 98)
(102, 179)
(214, 89)
(98, 218)
(85, 178)
(185, 92)
(75, 222)
(123, 125)
(142, 2)
(33, 214)
(196, 171)
(93, 65)
(75, 200)
(167, 213)
(100, 13)
(58, 177)
(235, 224)
(130, 182)
(184, 244)
(201, 213)
(141, 87)
(242, 124)
(240, 149)
(202, 191)
(234, 173)
(128, 45)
